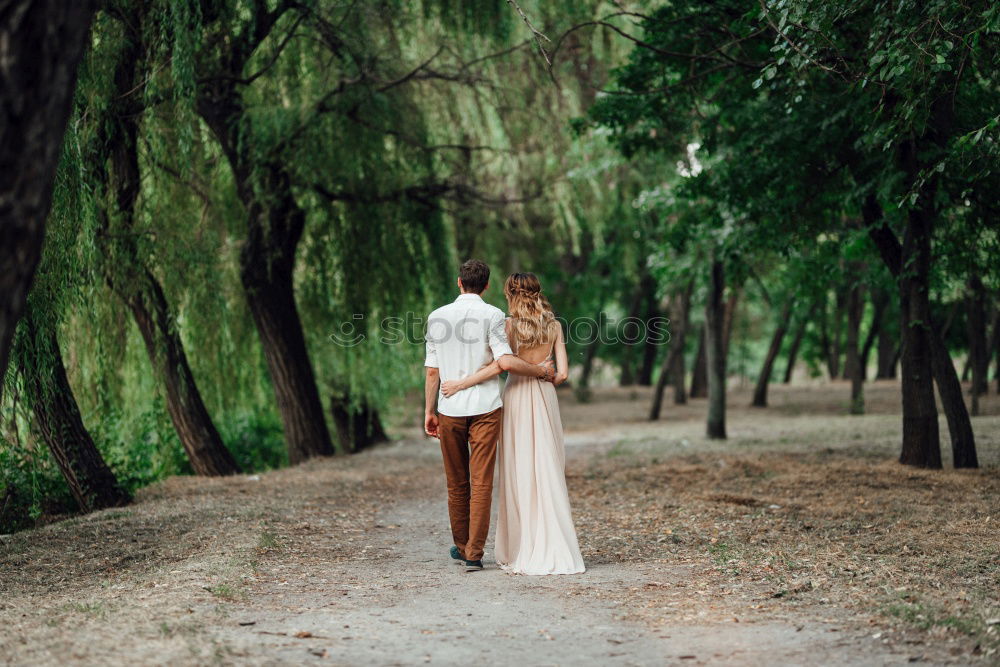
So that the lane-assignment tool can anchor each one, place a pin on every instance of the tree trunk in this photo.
(57, 415)
(715, 353)
(945, 329)
(888, 356)
(197, 433)
(41, 43)
(994, 346)
(963, 440)
(680, 314)
(626, 378)
(834, 351)
(879, 301)
(854, 368)
(699, 372)
(793, 349)
(678, 371)
(760, 391)
(635, 313)
(271, 297)
(979, 358)
(133, 282)
(729, 318)
(358, 428)
(645, 377)
(963, 443)
(921, 444)
(650, 348)
(267, 260)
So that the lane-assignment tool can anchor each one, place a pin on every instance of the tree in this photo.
(963, 442)
(979, 358)
(40, 372)
(866, 100)
(681, 308)
(760, 391)
(715, 351)
(699, 372)
(58, 420)
(854, 367)
(274, 224)
(128, 276)
(41, 43)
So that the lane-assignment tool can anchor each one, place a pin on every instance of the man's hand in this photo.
(431, 383)
(431, 424)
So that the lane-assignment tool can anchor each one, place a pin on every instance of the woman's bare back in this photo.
(535, 354)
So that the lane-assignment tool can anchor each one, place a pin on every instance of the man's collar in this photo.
(468, 296)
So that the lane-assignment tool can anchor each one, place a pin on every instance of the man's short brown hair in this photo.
(475, 275)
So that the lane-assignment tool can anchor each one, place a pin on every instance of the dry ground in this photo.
(797, 541)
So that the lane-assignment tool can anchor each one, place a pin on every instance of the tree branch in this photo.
(535, 34)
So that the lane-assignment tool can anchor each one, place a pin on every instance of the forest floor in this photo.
(797, 541)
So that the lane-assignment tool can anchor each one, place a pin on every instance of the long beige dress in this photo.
(535, 533)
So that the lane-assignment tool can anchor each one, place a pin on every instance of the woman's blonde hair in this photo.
(531, 313)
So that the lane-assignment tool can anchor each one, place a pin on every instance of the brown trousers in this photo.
(469, 449)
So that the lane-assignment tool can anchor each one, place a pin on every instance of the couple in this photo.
(467, 348)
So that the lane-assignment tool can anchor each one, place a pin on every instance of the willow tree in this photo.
(115, 172)
(274, 219)
(267, 130)
(41, 43)
(57, 417)
(40, 373)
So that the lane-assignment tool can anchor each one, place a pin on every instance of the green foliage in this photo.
(800, 110)
(415, 135)
(255, 441)
(31, 486)
(141, 448)
(405, 152)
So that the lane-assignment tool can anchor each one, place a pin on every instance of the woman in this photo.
(535, 533)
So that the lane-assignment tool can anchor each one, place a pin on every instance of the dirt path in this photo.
(344, 561)
(414, 607)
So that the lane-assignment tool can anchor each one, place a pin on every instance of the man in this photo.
(462, 337)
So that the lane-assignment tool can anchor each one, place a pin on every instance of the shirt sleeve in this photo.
(430, 353)
(498, 337)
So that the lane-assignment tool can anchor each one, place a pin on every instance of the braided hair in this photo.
(531, 313)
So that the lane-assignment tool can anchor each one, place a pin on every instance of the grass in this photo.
(225, 591)
(926, 618)
(619, 449)
(844, 530)
(850, 525)
(721, 553)
(94, 609)
(855, 533)
(268, 541)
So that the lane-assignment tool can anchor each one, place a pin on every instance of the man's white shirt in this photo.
(462, 337)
